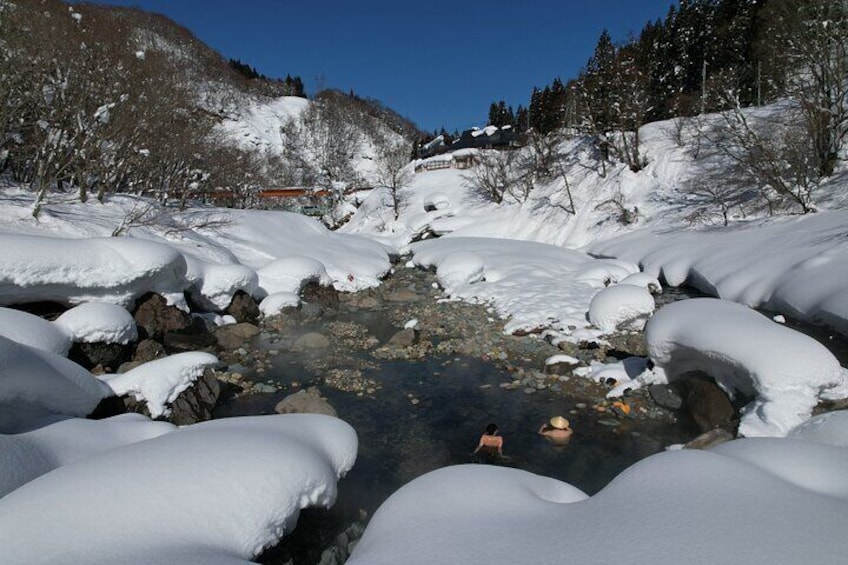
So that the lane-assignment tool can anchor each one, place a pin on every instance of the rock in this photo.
(709, 439)
(196, 337)
(309, 311)
(263, 388)
(403, 338)
(708, 405)
(665, 396)
(234, 336)
(107, 355)
(148, 350)
(402, 295)
(155, 317)
(193, 405)
(325, 296)
(243, 308)
(364, 303)
(307, 401)
(312, 340)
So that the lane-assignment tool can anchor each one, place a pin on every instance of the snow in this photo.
(289, 274)
(534, 285)
(723, 506)
(746, 353)
(223, 490)
(37, 386)
(98, 322)
(621, 307)
(31, 454)
(116, 270)
(34, 331)
(257, 127)
(561, 358)
(275, 303)
(160, 382)
(830, 428)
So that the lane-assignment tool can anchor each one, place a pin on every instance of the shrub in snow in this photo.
(213, 493)
(276, 302)
(98, 322)
(621, 307)
(37, 385)
(721, 507)
(71, 271)
(745, 352)
(289, 274)
(161, 381)
(34, 331)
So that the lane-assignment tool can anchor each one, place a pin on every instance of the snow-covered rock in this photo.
(275, 303)
(621, 307)
(34, 331)
(289, 274)
(746, 353)
(98, 322)
(38, 386)
(161, 381)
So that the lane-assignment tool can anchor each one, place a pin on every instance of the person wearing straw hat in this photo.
(558, 431)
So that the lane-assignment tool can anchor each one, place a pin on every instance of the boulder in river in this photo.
(325, 296)
(307, 401)
(709, 439)
(312, 340)
(155, 316)
(233, 336)
(709, 406)
(665, 396)
(404, 338)
(243, 308)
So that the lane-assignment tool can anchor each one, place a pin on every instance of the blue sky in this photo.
(437, 63)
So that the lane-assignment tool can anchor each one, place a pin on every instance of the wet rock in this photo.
(310, 311)
(363, 302)
(196, 337)
(107, 355)
(312, 340)
(325, 296)
(307, 401)
(708, 405)
(709, 439)
(665, 396)
(243, 308)
(154, 316)
(264, 388)
(234, 336)
(403, 338)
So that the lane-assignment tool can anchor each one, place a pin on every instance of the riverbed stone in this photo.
(234, 336)
(402, 295)
(308, 401)
(404, 338)
(709, 439)
(195, 337)
(148, 350)
(106, 355)
(665, 396)
(325, 296)
(312, 340)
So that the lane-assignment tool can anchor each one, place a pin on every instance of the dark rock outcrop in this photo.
(708, 405)
(195, 337)
(154, 316)
(243, 308)
(709, 439)
(109, 356)
(325, 296)
(193, 405)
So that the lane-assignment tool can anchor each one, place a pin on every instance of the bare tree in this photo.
(393, 172)
(494, 174)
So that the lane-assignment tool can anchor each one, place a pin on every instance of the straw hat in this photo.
(559, 423)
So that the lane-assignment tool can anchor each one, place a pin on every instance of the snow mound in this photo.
(161, 381)
(722, 507)
(621, 307)
(214, 285)
(34, 331)
(275, 303)
(436, 201)
(534, 285)
(786, 371)
(72, 271)
(289, 274)
(223, 490)
(830, 428)
(644, 280)
(31, 454)
(460, 269)
(38, 386)
(98, 322)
